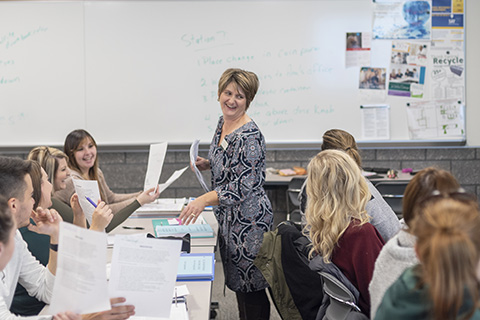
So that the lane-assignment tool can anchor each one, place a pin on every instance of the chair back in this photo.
(392, 192)
(342, 304)
(294, 212)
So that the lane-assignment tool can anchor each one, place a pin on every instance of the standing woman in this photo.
(81, 150)
(243, 210)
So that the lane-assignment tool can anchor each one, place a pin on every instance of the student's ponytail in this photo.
(448, 246)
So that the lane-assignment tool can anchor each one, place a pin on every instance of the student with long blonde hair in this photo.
(445, 284)
(338, 222)
(381, 214)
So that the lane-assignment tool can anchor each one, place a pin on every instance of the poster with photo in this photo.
(402, 20)
(358, 46)
(407, 69)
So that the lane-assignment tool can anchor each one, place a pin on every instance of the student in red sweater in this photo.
(338, 222)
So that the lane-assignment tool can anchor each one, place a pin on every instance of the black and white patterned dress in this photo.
(244, 212)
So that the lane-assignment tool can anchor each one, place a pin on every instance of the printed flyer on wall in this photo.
(407, 69)
(436, 119)
(402, 20)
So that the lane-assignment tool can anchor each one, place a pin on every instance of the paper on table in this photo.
(144, 272)
(172, 178)
(87, 188)
(156, 157)
(81, 278)
(193, 158)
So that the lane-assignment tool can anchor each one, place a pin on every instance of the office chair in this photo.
(392, 192)
(294, 214)
(342, 304)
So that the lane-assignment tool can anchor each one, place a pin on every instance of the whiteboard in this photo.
(138, 72)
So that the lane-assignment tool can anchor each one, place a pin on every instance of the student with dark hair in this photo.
(444, 285)
(398, 253)
(81, 150)
(382, 216)
(16, 185)
(21, 266)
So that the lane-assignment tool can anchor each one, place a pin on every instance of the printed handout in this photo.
(193, 158)
(144, 272)
(84, 189)
(172, 179)
(81, 278)
(156, 157)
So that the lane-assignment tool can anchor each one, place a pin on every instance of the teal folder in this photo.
(196, 267)
(195, 230)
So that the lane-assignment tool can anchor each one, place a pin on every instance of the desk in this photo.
(401, 176)
(272, 180)
(198, 301)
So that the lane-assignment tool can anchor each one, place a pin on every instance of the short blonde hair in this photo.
(337, 192)
(246, 80)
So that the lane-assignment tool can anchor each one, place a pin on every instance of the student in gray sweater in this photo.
(398, 253)
(382, 216)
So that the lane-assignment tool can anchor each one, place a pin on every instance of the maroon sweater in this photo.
(355, 256)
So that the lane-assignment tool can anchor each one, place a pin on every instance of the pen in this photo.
(133, 228)
(91, 201)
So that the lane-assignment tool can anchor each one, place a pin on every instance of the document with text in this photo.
(144, 271)
(193, 158)
(172, 179)
(81, 278)
(156, 157)
(87, 189)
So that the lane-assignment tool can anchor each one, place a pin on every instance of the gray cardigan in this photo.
(397, 255)
(382, 216)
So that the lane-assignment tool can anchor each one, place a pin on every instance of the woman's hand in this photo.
(67, 316)
(78, 215)
(101, 217)
(202, 164)
(148, 196)
(191, 212)
(47, 221)
(118, 312)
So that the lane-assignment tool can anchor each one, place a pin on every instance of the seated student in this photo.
(444, 285)
(54, 162)
(16, 186)
(382, 216)
(81, 149)
(399, 253)
(38, 244)
(338, 222)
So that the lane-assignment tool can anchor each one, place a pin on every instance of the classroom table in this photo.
(275, 180)
(199, 299)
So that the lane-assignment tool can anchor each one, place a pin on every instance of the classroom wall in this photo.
(125, 171)
(472, 9)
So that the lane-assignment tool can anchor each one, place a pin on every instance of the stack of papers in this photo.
(161, 207)
(197, 230)
(196, 267)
